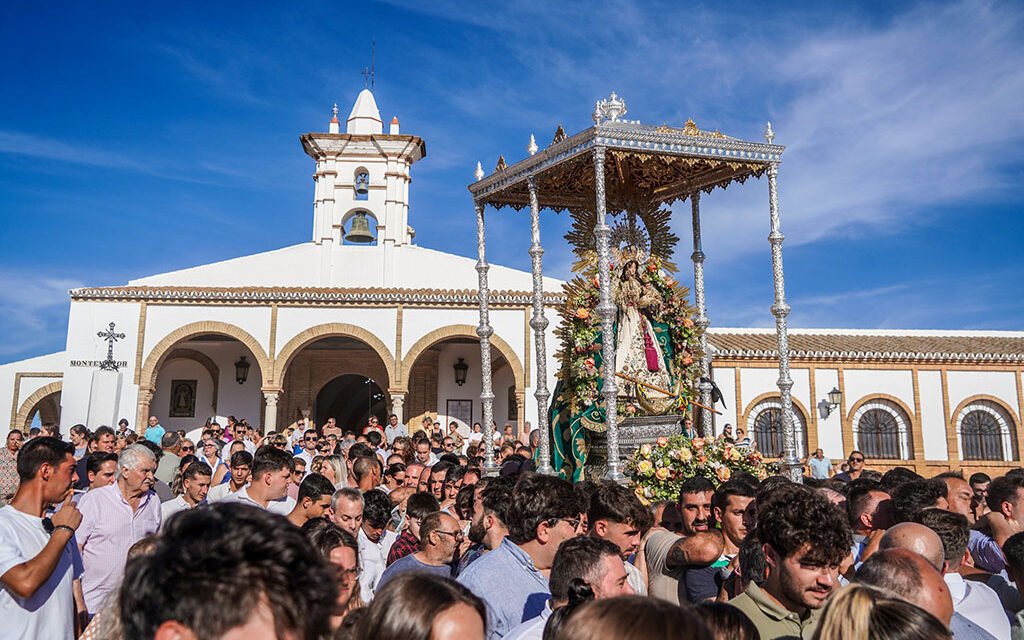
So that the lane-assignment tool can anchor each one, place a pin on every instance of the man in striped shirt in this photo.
(113, 519)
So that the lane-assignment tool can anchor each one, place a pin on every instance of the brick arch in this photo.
(1015, 427)
(799, 406)
(312, 334)
(913, 426)
(160, 353)
(27, 407)
(803, 418)
(463, 331)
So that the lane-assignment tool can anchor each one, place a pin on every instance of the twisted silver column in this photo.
(606, 310)
(485, 331)
(706, 428)
(539, 324)
(791, 464)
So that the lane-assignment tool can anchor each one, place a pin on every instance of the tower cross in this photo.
(111, 337)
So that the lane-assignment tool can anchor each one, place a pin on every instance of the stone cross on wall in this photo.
(111, 337)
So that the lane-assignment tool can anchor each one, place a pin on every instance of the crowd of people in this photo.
(378, 534)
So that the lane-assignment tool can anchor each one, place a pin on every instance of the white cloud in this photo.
(35, 312)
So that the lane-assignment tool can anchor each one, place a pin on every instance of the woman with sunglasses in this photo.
(210, 454)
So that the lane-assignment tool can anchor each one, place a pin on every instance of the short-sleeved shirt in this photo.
(49, 612)
(772, 619)
(155, 434)
(662, 582)
(820, 468)
(109, 527)
(411, 564)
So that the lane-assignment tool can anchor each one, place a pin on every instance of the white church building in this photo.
(361, 320)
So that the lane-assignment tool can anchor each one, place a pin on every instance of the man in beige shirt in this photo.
(669, 555)
(804, 538)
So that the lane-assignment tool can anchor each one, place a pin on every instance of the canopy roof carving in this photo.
(644, 163)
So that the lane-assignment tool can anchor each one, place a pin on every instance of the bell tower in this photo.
(361, 181)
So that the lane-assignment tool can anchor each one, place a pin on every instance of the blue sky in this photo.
(136, 140)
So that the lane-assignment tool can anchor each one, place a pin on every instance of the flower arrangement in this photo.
(659, 470)
(581, 329)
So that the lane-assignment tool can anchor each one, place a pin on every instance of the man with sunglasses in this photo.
(856, 462)
(544, 512)
(440, 536)
(310, 440)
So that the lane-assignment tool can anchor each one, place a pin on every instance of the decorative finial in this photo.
(611, 108)
(334, 110)
(769, 134)
(479, 173)
(559, 135)
(532, 147)
(502, 165)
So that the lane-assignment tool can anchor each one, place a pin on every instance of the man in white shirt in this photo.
(268, 489)
(39, 560)
(374, 541)
(309, 442)
(241, 471)
(195, 481)
(394, 429)
(974, 600)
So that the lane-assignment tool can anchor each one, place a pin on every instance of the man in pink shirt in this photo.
(113, 519)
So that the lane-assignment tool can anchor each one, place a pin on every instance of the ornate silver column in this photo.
(606, 311)
(706, 428)
(485, 331)
(791, 464)
(539, 324)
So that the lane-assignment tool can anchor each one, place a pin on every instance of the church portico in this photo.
(318, 375)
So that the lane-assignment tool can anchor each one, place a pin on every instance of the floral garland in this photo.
(581, 328)
(659, 470)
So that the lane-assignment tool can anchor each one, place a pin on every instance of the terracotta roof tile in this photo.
(807, 345)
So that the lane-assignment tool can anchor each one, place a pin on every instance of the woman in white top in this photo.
(211, 456)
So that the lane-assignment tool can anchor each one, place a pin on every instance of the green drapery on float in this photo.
(571, 426)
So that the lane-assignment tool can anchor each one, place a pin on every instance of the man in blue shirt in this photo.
(154, 432)
(440, 535)
(543, 514)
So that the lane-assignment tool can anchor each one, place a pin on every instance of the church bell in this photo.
(360, 229)
(362, 184)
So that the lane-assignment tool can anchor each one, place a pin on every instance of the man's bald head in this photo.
(918, 539)
(911, 578)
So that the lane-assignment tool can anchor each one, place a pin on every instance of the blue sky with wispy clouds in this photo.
(137, 140)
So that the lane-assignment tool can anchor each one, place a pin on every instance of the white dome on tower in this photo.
(365, 116)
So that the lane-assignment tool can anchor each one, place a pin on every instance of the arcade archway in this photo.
(350, 399)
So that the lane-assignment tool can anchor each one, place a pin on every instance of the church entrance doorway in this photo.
(351, 399)
(326, 378)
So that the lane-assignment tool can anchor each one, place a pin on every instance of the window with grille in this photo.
(878, 434)
(986, 433)
(767, 430)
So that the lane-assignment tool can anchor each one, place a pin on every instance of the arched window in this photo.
(986, 432)
(765, 428)
(881, 429)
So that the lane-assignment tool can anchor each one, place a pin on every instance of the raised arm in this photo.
(698, 550)
(25, 579)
